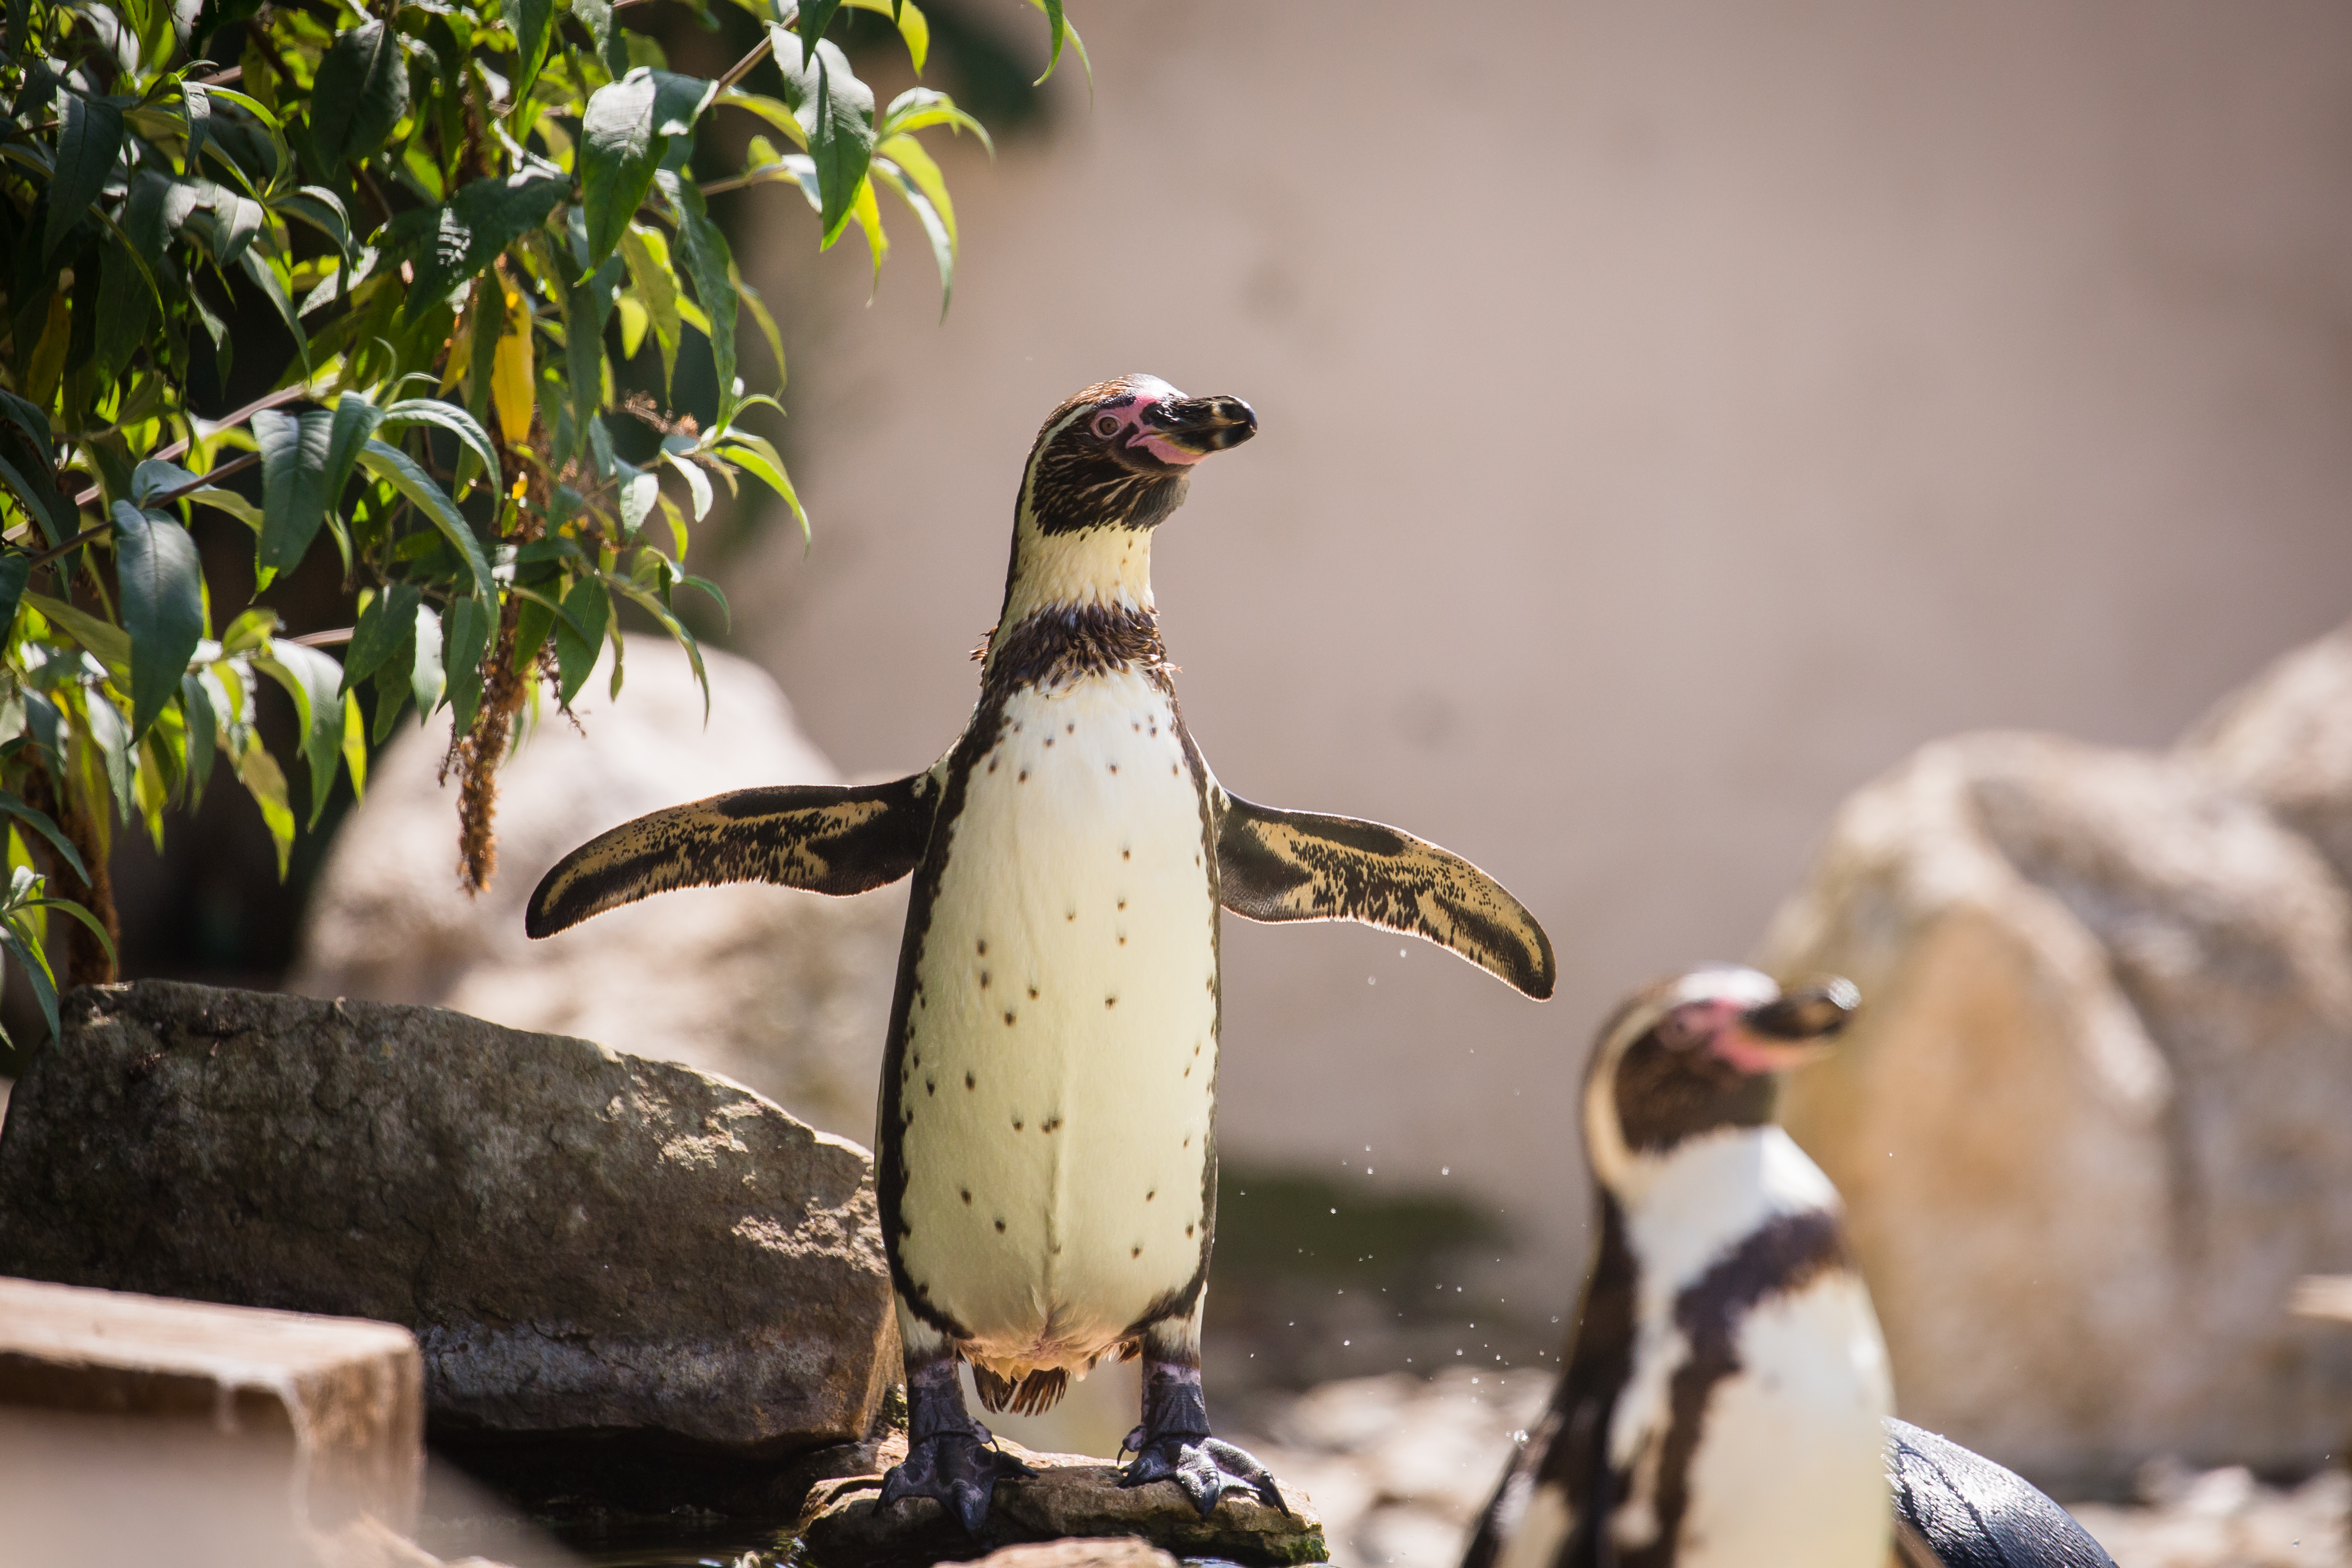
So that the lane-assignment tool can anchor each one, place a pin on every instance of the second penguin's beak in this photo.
(1199, 425)
(1791, 1030)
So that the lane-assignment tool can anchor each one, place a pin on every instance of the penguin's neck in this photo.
(1686, 1207)
(1104, 569)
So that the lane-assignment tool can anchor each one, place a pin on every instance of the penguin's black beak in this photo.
(1201, 425)
(1816, 1013)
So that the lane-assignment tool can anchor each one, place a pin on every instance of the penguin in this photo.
(1725, 1397)
(1046, 1139)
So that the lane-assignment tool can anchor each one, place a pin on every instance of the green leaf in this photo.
(397, 469)
(750, 297)
(639, 490)
(684, 638)
(914, 28)
(815, 16)
(197, 103)
(295, 454)
(384, 627)
(102, 638)
(35, 962)
(920, 108)
(204, 733)
(162, 578)
(16, 570)
(425, 678)
(112, 736)
(697, 483)
(935, 229)
(624, 137)
(534, 21)
(29, 467)
(447, 416)
(482, 219)
(779, 115)
(361, 93)
(650, 271)
(89, 141)
(322, 210)
(356, 420)
(123, 299)
(266, 783)
(836, 111)
(354, 746)
(467, 634)
(315, 683)
(587, 611)
(709, 264)
(39, 822)
(757, 456)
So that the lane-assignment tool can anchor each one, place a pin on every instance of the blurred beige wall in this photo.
(1671, 415)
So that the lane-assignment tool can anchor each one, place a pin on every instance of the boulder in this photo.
(580, 1239)
(787, 992)
(2095, 1119)
(1101, 1552)
(843, 1525)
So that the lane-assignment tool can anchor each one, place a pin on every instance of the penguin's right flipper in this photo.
(1955, 1508)
(827, 838)
(1279, 865)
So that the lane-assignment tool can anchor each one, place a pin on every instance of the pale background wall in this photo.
(1672, 414)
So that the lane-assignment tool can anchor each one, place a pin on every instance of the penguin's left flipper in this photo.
(1955, 1509)
(827, 838)
(1278, 866)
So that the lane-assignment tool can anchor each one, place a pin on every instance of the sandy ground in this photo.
(1399, 1468)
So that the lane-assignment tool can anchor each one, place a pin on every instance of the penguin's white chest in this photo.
(1790, 1465)
(1057, 1076)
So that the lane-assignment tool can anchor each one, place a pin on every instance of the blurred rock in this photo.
(2225, 1519)
(843, 1524)
(579, 1239)
(1398, 1466)
(1104, 1551)
(2285, 739)
(2096, 1117)
(784, 992)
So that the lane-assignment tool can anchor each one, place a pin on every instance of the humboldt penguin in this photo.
(1047, 1138)
(1724, 1399)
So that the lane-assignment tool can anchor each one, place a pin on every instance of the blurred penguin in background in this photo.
(1726, 1401)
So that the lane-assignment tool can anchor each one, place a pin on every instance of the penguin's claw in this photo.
(956, 1470)
(1207, 1468)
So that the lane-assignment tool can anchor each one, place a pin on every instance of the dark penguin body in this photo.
(1724, 1399)
(1047, 1137)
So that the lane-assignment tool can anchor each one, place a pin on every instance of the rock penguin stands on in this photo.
(1047, 1131)
(1726, 1401)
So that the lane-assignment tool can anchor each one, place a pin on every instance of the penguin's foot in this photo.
(1174, 1444)
(948, 1459)
(956, 1469)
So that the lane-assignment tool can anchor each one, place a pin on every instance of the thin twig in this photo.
(158, 500)
(743, 67)
(339, 635)
(233, 73)
(294, 394)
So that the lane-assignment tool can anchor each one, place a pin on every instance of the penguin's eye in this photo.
(1106, 425)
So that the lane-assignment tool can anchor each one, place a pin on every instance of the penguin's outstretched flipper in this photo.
(1275, 865)
(1955, 1508)
(827, 838)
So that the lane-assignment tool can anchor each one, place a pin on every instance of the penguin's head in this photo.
(1697, 1052)
(1108, 465)
(1118, 455)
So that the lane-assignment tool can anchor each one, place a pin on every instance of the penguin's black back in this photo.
(1971, 1514)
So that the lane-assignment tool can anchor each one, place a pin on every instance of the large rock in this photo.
(2096, 1117)
(579, 1238)
(843, 1524)
(785, 991)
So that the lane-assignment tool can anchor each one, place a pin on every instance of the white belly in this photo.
(1790, 1471)
(1061, 1054)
